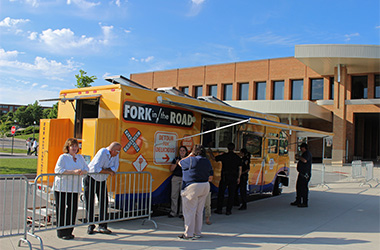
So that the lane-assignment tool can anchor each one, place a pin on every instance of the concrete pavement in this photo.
(345, 216)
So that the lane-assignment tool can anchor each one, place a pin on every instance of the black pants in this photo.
(302, 188)
(66, 205)
(92, 187)
(242, 187)
(230, 182)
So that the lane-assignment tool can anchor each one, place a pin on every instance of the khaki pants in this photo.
(175, 196)
(208, 205)
(193, 202)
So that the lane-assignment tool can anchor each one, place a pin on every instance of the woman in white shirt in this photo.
(66, 188)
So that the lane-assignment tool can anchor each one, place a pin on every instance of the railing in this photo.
(60, 206)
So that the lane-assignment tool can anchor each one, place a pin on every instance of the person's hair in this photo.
(230, 146)
(200, 150)
(304, 145)
(113, 145)
(70, 142)
(245, 152)
(187, 152)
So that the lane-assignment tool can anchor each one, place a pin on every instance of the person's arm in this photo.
(238, 180)
(174, 164)
(211, 154)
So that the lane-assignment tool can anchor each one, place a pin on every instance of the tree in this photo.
(83, 80)
(51, 113)
(26, 116)
(5, 127)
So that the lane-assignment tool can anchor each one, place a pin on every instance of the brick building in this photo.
(334, 88)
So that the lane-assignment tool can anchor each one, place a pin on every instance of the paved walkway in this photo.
(345, 216)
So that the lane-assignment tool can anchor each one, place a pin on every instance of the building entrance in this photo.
(367, 136)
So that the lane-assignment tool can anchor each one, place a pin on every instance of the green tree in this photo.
(26, 116)
(83, 80)
(5, 127)
(51, 113)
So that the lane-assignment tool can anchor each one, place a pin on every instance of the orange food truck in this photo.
(152, 124)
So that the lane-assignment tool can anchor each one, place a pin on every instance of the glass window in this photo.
(272, 146)
(359, 87)
(328, 147)
(252, 143)
(332, 88)
(213, 90)
(198, 90)
(219, 138)
(377, 86)
(243, 91)
(227, 92)
(208, 140)
(316, 89)
(278, 90)
(297, 89)
(261, 90)
(283, 147)
(185, 90)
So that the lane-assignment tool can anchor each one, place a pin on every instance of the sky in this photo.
(44, 43)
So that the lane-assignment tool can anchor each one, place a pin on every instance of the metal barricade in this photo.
(128, 196)
(14, 198)
(357, 169)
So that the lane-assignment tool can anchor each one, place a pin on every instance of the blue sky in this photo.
(44, 43)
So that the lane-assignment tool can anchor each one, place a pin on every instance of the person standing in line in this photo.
(66, 188)
(34, 147)
(230, 177)
(208, 203)
(196, 170)
(105, 162)
(28, 146)
(242, 186)
(176, 208)
(304, 175)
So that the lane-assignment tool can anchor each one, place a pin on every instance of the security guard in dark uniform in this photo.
(231, 171)
(304, 175)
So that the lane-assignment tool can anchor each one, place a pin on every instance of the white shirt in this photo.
(69, 183)
(103, 160)
(35, 144)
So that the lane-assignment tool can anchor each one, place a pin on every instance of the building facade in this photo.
(334, 88)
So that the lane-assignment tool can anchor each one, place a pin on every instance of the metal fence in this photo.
(361, 172)
(14, 198)
(60, 205)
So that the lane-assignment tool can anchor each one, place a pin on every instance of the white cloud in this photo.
(83, 3)
(196, 7)
(107, 33)
(44, 86)
(33, 36)
(148, 59)
(64, 39)
(377, 27)
(34, 3)
(349, 36)
(50, 69)
(127, 31)
(34, 84)
(269, 38)
(12, 23)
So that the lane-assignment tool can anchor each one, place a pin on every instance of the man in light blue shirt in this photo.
(105, 162)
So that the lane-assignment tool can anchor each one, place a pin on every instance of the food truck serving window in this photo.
(218, 138)
(253, 143)
(85, 108)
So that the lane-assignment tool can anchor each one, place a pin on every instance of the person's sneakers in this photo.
(302, 205)
(295, 203)
(68, 237)
(170, 216)
(103, 230)
(183, 237)
(90, 230)
(243, 207)
(228, 213)
(218, 211)
(197, 236)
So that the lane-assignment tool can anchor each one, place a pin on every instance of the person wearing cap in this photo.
(304, 175)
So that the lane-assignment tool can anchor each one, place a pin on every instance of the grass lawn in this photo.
(15, 150)
(18, 166)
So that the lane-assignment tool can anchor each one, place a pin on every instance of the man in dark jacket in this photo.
(230, 177)
(304, 175)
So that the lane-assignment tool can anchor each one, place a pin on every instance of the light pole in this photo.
(34, 125)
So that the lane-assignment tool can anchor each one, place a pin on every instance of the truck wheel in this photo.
(276, 187)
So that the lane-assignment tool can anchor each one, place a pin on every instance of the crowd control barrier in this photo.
(13, 212)
(60, 205)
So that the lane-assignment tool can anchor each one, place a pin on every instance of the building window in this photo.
(359, 87)
(316, 89)
(377, 86)
(213, 90)
(243, 91)
(185, 90)
(332, 88)
(278, 90)
(227, 93)
(198, 90)
(261, 90)
(297, 89)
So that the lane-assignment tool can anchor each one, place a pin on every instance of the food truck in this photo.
(152, 124)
